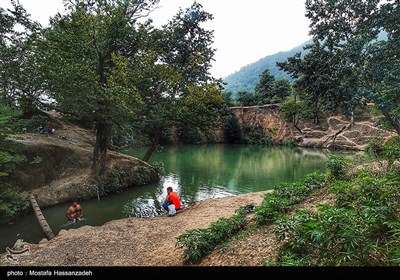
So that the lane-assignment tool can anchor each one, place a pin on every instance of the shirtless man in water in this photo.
(74, 212)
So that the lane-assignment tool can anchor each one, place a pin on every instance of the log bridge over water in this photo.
(41, 219)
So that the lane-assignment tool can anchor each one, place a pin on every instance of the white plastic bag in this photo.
(171, 210)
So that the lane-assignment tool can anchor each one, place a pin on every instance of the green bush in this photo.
(345, 193)
(232, 130)
(337, 166)
(9, 161)
(333, 236)
(112, 182)
(393, 243)
(197, 243)
(293, 192)
(9, 157)
(314, 181)
(12, 204)
(375, 147)
(190, 135)
(200, 242)
(271, 208)
(391, 149)
(286, 196)
(255, 135)
(293, 110)
(287, 143)
(362, 229)
(289, 259)
(224, 228)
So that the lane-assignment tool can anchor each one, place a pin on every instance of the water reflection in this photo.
(195, 172)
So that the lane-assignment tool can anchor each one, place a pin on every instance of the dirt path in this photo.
(132, 241)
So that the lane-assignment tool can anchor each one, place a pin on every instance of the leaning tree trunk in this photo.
(153, 146)
(39, 215)
(103, 132)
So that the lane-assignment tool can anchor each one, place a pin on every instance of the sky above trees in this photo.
(245, 30)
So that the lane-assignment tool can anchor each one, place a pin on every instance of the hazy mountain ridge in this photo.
(247, 77)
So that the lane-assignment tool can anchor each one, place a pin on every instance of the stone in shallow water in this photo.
(43, 241)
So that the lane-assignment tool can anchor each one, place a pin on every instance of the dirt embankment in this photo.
(331, 132)
(58, 165)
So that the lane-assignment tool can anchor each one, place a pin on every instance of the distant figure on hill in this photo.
(171, 202)
(50, 129)
(74, 212)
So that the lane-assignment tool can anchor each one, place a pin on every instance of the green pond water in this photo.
(195, 172)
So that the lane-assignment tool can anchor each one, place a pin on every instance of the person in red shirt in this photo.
(171, 198)
(50, 129)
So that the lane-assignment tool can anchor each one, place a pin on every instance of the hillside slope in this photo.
(247, 77)
(58, 166)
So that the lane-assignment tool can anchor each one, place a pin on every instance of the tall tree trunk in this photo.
(152, 148)
(103, 132)
(316, 116)
(352, 118)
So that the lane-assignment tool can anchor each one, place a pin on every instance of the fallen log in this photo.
(39, 215)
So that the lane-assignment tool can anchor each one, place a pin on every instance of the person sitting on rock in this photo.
(74, 212)
(171, 199)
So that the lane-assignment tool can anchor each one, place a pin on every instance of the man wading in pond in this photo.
(171, 202)
(74, 212)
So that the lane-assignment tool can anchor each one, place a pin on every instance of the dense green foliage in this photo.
(362, 229)
(117, 179)
(101, 62)
(286, 196)
(389, 150)
(186, 96)
(190, 135)
(8, 154)
(18, 62)
(245, 98)
(233, 130)
(200, 242)
(349, 62)
(267, 91)
(337, 166)
(256, 135)
(86, 58)
(264, 87)
(293, 110)
(280, 91)
(11, 204)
